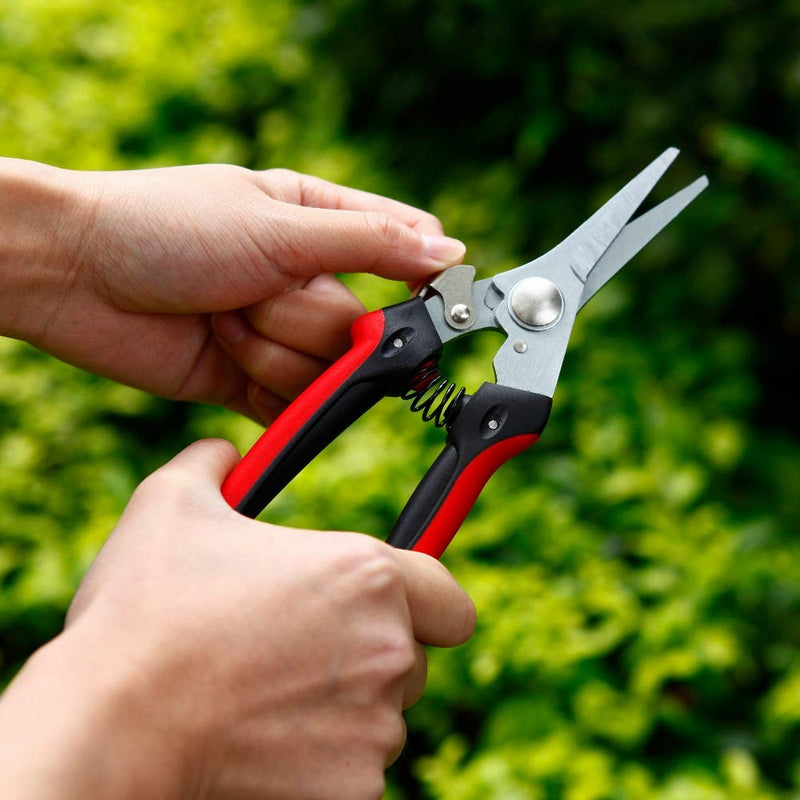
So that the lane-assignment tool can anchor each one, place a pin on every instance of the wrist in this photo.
(42, 217)
(77, 723)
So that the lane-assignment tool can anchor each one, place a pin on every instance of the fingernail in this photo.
(229, 326)
(443, 249)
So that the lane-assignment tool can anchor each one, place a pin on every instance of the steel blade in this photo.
(592, 239)
(635, 235)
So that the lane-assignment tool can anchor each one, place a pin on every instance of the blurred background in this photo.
(637, 573)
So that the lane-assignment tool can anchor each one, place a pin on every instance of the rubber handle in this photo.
(496, 424)
(388, 348)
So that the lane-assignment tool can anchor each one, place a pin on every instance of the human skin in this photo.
(207, 655)
(123, 273)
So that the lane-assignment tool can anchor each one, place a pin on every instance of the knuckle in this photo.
(290, 238)
(270, 318)
(367, 569)
(366, 783)
(266, 366)
(391, 734)
(268, 363)
(398, 737)
(352, 306)
(169, 483)
(431, 221)
(148, 488)
(224, 447)
(281, 173)
(284, 184)
(313, 191)
(374, 786)
(378, 571)
(396, 654)
(384, 226)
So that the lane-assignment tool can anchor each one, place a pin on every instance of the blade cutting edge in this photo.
(594, 236)
(635, 235)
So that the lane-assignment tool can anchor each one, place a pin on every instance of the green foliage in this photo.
(637, 574)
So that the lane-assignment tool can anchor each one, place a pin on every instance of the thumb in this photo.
(208, 461)
(333, 240)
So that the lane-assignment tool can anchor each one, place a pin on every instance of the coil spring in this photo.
(434, 396)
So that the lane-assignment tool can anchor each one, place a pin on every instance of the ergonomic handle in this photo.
(494, 425)
(389, 346)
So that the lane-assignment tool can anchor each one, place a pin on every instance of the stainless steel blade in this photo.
(635, 235)
(531, 357)
(569, 263)
(593, 238)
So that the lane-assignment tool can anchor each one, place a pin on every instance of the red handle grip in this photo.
(389, 346)
(300, 418)
(465, 491)
(496, 424)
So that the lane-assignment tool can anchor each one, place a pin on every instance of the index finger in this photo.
(442, 613)
(306, 190)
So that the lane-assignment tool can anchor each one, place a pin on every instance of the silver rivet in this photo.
(459, 313)
(520, 346)
(398, 343)
(492, 424)
(536, 303)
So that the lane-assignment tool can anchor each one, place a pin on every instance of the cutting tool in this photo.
(396, 351)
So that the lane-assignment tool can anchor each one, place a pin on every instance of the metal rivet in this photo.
(492, 424)
(398, 343)
(459, 313)
(520, 346)
(536, 303)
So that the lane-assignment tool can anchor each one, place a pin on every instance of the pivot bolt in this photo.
(459, 313)
(536, 303)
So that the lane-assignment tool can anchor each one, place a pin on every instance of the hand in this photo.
(207, 655)
(118, 272)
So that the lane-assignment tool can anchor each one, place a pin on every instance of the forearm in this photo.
(41, 216)
(73, 724)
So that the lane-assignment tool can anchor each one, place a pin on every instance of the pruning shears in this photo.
(396, 350)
